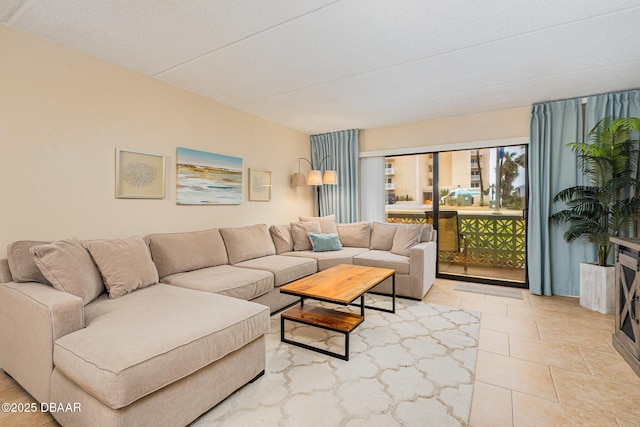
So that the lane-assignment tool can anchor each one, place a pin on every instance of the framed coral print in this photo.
(139, 175)
(259, 185)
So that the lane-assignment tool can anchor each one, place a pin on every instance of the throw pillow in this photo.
(125, 264)
(245, 243)
(323, 242)
(300, 234)
(406, 237)
(355, 234)
(282, 239)
(327, 223)
(21, 264)
(427, 231)
(69, 268)
(382, 235)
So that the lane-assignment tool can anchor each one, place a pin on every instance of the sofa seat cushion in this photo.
(330, 258)
(285, 268)
(137, 344)
(227, 280)
(383, 259)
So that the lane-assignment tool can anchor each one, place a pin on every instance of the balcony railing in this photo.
(389, 171)
(487, 240)
(390, 186)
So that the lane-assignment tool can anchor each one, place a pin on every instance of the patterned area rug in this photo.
(412, 368)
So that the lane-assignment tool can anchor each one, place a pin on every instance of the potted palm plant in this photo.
(607, 206)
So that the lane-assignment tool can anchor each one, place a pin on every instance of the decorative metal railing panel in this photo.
(486, 240)
(498, 241)
(409, 218)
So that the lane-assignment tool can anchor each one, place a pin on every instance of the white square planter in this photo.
(597, 288)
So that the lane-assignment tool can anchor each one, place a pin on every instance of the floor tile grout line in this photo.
(587, 363)
(513, 410)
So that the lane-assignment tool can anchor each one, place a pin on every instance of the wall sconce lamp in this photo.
(315, 177)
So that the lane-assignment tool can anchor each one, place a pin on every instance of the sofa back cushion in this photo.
(406, 237)
(244, 243)
(125, 264)
(69, 268)
(300, 234)
(179, 252)
(382, 235)
(427, 233)
(5, 271)
(355, 234)
(21, 263)
(282, 239)
(327, 223)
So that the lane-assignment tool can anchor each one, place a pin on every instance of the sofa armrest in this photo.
(422, 265)
(32, 317)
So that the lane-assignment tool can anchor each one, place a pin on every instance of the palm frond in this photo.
(610, 204)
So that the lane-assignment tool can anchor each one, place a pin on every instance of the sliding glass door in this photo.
(476, 199)
(481, 214)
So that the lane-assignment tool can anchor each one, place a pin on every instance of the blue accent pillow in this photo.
(325, 242)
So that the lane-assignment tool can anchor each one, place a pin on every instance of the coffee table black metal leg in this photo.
(386, 310)
(281, 328)
(346, 347)
(393, 293)
(344, 356)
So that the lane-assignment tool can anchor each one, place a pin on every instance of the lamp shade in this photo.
(314, 178)
(298, 180)
(330, 177)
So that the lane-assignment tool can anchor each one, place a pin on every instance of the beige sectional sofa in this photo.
(409, 249)
(156, 331)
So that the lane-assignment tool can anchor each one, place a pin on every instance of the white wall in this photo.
(63, 113)
(452, 131)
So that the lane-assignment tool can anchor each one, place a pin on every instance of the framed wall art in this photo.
(259, 185)
(139, 175)
(207, 178)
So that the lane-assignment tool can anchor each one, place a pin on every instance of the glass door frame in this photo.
(436, 212)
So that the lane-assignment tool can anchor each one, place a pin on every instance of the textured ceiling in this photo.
(320, 65)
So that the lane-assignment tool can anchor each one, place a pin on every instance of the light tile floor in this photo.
(542, 361)
(545, 361)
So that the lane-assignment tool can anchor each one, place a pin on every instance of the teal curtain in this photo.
(617, 105)
(339, 151)
(553, 265)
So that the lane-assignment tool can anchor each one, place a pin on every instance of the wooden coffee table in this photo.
(342, 284)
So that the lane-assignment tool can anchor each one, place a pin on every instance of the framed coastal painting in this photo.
(139, 175)
(259, 185)
(207, 178)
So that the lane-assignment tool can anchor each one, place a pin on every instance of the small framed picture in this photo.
(259, 185)
(139, 175)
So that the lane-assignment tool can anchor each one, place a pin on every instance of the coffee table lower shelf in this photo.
(324, 318)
